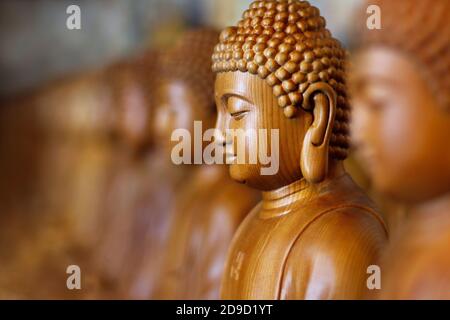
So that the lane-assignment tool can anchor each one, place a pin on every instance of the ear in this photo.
(321, 98)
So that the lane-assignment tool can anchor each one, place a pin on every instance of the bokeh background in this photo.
(36, 46)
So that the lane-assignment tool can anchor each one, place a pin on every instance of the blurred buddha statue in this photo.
(203, 226)
(20, 165)
(401, 92)
(189, 228)
(315, 233)
(71, 140)
(70, 126)
(392, 211)
(131, 83)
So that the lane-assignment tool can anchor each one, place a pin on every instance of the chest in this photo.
(258, 254)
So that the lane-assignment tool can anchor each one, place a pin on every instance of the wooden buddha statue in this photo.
(131, 83)
(315, 233)
(401, 126)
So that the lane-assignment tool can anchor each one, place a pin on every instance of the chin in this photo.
(237, 173)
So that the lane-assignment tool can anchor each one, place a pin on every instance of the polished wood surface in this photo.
(315, 233)
(313, 243)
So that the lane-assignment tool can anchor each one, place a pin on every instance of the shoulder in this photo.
(330, 259)
(345, 225)
(345, 232)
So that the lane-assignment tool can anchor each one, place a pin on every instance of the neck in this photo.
(282, 201)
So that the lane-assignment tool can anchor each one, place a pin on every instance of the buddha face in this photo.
(400, 132)
(134, 114)
(244, 101)
(178, 106)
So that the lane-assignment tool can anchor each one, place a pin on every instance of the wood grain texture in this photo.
(315, 233)
(316, 243)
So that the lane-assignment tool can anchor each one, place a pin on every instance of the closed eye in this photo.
(239, 114)
(237, 107)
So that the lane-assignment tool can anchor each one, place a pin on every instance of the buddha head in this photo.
(400, 86)
(132, 83)
(280, 68)
(184, 92)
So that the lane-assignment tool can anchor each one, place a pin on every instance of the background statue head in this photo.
(280, 68)
(132, 83)
(401, 97)
(185, 89)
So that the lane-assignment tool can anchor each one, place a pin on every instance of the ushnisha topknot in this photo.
(421, 30)
(285, 42)
(189, 60)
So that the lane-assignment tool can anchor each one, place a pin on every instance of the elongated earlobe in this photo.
(321, 99)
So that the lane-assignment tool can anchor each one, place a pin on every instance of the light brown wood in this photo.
(315, 233)
(204, 224)
(401, 125)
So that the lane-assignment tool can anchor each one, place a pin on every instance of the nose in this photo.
(219, 133)
(219, 137)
